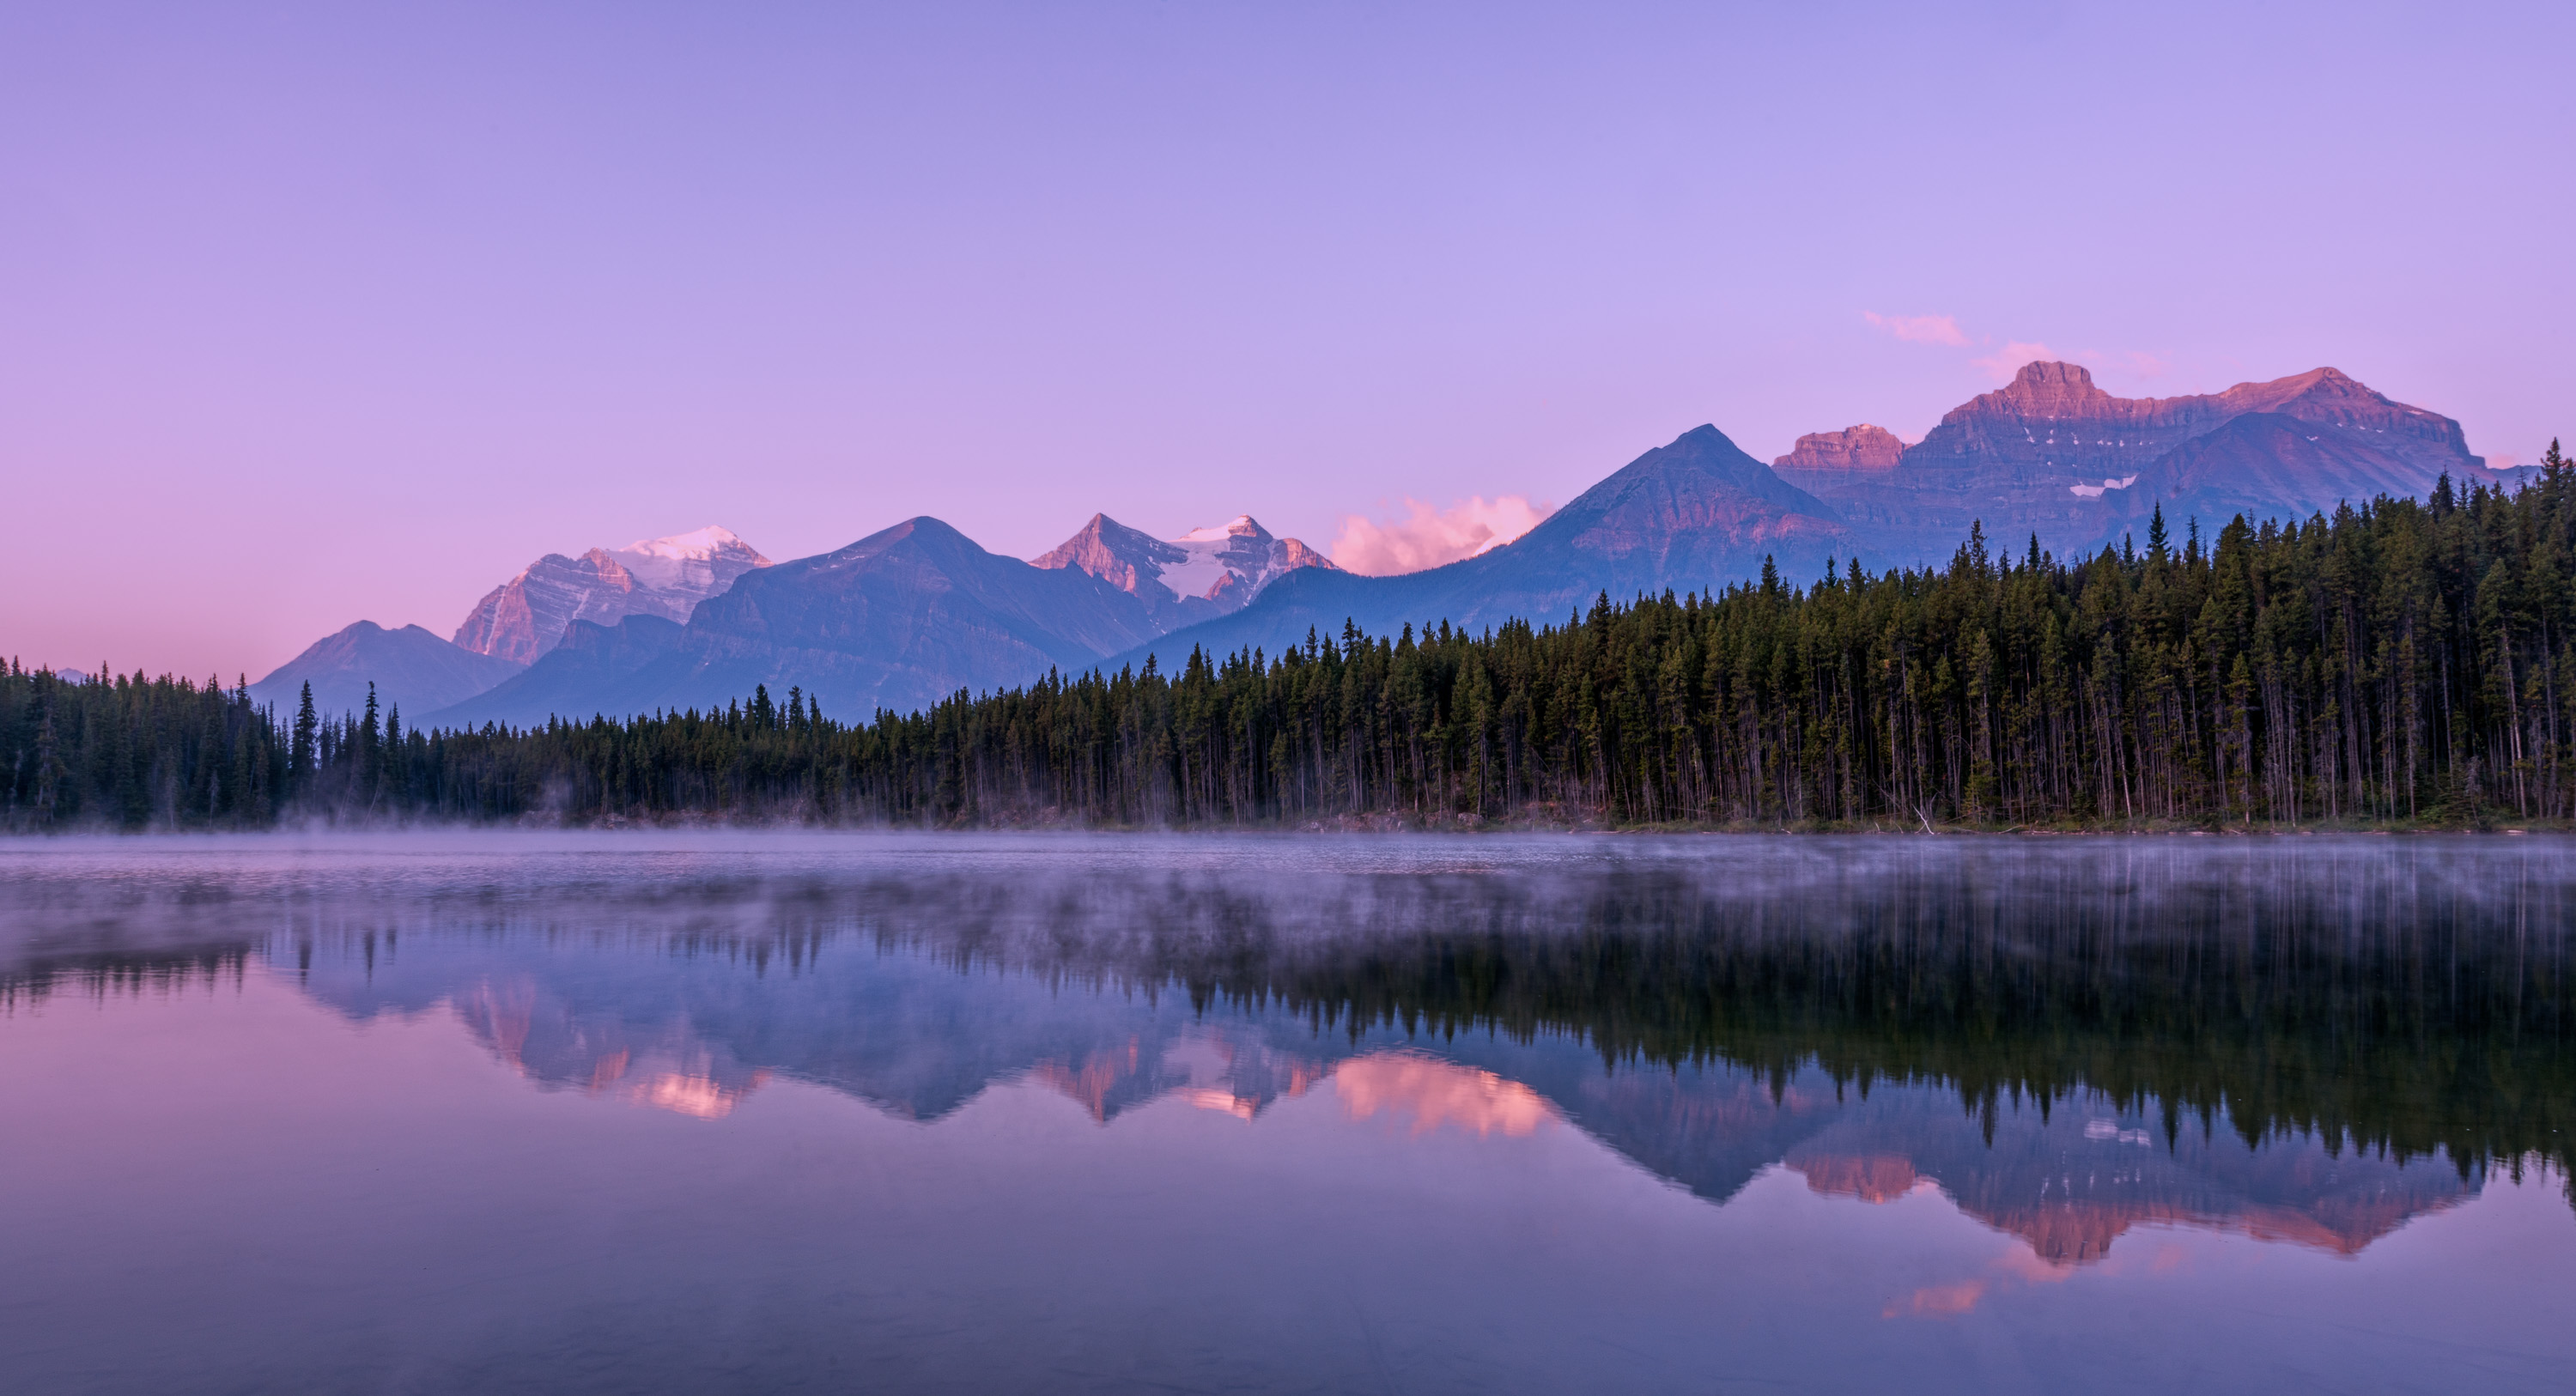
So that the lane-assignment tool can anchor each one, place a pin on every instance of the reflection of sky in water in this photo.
(541, 1148)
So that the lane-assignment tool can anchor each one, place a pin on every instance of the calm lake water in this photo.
(987, 1114)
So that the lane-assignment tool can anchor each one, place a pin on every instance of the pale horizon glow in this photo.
(322, 313)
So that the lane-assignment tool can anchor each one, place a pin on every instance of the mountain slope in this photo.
(2268, 465)
(409, 666)
(1689, 516)
(899, 619)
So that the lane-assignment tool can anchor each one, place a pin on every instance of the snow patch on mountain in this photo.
(1206, 559)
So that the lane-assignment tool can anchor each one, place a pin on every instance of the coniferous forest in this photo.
(2404, 662)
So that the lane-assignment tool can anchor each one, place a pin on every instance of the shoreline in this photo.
(1387, 826)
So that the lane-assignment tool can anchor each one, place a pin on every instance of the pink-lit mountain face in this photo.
(525, 616)
(1853, 449)
(2051, 453)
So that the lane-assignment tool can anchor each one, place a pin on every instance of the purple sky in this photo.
(315, 313)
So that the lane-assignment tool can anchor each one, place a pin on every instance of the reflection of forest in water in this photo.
(2310, 1043)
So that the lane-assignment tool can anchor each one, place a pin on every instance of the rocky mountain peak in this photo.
(1863, 447)
(1227, 564)
(525, 616)
(1701, 484)
(2049, 390)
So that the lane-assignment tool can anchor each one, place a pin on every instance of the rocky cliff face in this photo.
(2052, 419)
(2053, 454)
(1223, 567)
(525, 616)
(1860, 448)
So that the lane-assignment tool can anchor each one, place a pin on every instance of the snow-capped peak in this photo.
(1236, 553)
(1240, 526)
(693, 565)
(703, 544)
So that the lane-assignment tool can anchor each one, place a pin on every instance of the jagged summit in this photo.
(1863, 447)
(1225, 565)
(2053, 413)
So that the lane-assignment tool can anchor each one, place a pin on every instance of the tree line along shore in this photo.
(2402, 663)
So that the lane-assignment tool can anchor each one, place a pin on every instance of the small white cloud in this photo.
(1919, 329)
(2007, 361)
(1427, 537)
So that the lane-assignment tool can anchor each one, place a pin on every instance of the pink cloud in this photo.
(1939, 1301)
(2007, 361)
(1428, 538)
(2017, 1263)
(1919, 329)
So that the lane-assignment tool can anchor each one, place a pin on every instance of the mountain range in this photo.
(917, 612)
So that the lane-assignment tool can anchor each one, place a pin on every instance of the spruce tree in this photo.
(300, 755)
(370, 747)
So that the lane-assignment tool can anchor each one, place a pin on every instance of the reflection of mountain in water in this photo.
(695, 1029)
(2307, 1040)
(2070, 1181)
(2068, 1178)
(905, 1033)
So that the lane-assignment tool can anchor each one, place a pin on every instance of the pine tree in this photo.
(302, 755)
(370, 749)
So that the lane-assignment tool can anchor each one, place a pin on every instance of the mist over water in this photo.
(688, 1112)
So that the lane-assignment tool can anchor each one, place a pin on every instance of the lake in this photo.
(739, 1112)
